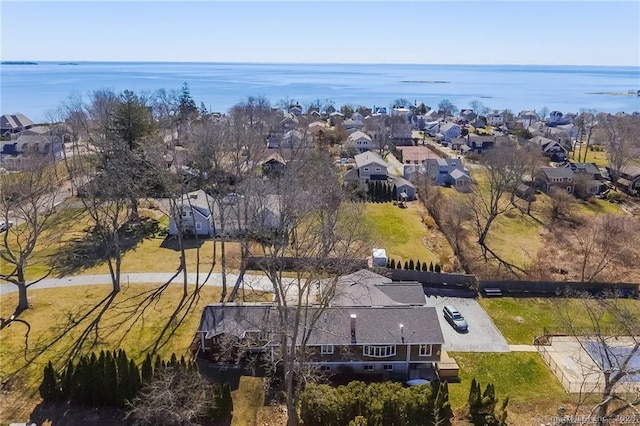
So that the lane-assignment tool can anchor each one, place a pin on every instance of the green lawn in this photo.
(149, 255)
(522, 376)
(85, 318)
(402, 233)
(521, 320)
(248, 400)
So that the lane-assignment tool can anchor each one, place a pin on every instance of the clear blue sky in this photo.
(431, 32)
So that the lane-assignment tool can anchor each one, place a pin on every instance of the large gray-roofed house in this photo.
(13, 123)
(366, 288)
(551, 178)
(406, 340)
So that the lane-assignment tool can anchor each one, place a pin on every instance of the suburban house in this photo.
(351, 124)
(401, 134)
(549, 179)
(403, 186)
(528, 118)
(440, 170)
(550, 148)
(289, 122)
(373, 326)
(448, 131)
(478, 144)
(317, 127)
(273, 165)
(369, 166)
(356, 116)
(629, 179)
(14, 123)
(336, 118)
(231, 216)
(588, 178)
(415, 154)
(36, 139)
(193, 216)
(525, 192)
(295, 109)
(360, 141)
(495, 118)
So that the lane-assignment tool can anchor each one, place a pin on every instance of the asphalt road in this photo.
(483, 336)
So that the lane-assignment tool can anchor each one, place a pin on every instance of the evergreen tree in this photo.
(431, 267)
(370, 191)
(159, 365)
(203, 109)
(411, 265)
(110, 380)
(124, 382)
(50, 388)
(392, 264)
(173, 361)
(186, 105)
(406, 265)
(399, 264)
(66, 382)
(394, 193)
(135, 383)
(147, 368)
(437, 268)
(418, 265)
(226, 400)
(93, 371)
(442, 407)
(424, 267)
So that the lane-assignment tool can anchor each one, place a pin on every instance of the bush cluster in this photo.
(410, 265)
(376, 404)
(111, 378)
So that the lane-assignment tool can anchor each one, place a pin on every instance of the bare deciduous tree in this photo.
(561, 204)
(175, 396)
(504, 168)
(606, 242)
(619, 135)
(324, 235)
(28, 198)
(611, 335)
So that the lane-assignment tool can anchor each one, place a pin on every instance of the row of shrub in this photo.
(410, 265)
(111, 378)
(377, 404)
(376, 191)
(388, 403)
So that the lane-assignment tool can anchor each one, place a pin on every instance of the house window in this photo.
(569, 189)
(377, 169)
(425, 350)
(367, 367)
(379, 351)
(198, 226)
(326, 349)
(366, 169)
(387, 367)
(326, 368)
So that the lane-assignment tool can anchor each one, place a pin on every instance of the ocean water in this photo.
(37, 89)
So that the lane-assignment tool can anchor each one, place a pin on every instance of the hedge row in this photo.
(414, 266)
(377, 404)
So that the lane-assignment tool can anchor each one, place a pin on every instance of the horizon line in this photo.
(311, 63)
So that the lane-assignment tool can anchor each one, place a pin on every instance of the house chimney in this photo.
(353, 328)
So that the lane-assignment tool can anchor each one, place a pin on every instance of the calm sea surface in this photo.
(36, 89)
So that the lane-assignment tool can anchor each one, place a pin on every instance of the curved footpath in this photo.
(256, 282)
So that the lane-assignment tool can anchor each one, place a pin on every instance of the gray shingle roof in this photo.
(557, 172)
(367, 158)
(373, 325)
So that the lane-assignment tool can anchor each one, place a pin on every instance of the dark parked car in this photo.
(455, 318)
(5, 225)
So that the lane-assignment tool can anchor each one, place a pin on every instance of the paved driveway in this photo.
(483, 336)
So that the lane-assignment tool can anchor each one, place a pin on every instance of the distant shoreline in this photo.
(18, 63)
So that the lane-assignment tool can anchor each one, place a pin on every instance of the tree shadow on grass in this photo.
(86, 252)
(171, 242)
